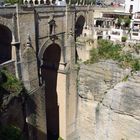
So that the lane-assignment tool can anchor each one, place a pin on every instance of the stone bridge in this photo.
(38, 43)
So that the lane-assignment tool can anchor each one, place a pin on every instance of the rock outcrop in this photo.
(108, 103)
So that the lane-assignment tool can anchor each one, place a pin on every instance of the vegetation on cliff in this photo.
(60, 138)
(10, 88)
(108, 50)
(10, 132)
(10, 83)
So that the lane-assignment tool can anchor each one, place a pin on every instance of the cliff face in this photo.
(108, 103)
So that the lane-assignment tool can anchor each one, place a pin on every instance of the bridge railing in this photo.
(7, 10)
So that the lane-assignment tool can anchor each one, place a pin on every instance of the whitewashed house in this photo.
(135, 27)
(132, 6)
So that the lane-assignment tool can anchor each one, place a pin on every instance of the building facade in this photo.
(132, 6)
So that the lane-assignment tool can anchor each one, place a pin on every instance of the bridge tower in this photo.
(57, 70)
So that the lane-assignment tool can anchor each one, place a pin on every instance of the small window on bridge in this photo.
(51, 29)
(52, 26)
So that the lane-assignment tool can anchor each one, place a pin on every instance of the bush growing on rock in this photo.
(10, 132)
(10, 83)
(60, 138)
(124, 38)
(107, 50)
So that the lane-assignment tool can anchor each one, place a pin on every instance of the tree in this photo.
(127, 21)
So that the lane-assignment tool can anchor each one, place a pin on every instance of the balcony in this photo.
(115, 33)
(99, 32)
(135, 30)
(137, 17)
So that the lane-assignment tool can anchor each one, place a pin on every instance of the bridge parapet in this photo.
(56, 2)
(7, 10)
(44, 8)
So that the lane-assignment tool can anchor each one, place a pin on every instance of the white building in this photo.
(135, 27)
(132, 6)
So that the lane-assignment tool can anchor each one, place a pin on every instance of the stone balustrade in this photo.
(55, 2)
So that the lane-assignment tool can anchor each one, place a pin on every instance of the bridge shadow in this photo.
(51, 59)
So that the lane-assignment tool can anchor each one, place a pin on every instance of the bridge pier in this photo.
(61, 88)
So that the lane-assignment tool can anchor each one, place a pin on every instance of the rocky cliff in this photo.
(108, 103)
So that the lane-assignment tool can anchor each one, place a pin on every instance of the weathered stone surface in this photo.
(12, 113)
(124, 98)
(29, 69)
(115, 114)
(86, 119)
(111, 125)
(96, 79)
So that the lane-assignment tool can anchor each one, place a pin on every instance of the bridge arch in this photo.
(79, 25)
(49, 68)
(5, 43)
(46, 44)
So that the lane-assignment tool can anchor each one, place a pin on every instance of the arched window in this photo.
(79, 26)
(52, 26)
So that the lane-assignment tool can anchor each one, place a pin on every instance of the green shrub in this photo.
(14, 1)
(127, 21)
(104, 47)
(87, 62)
(124, 38)
(125, 60)
(10, 83)
(10, 133)
(93, 56)
(135, 64)
(137, 48)
(128, 61)
(107, 50)
(60, 138)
